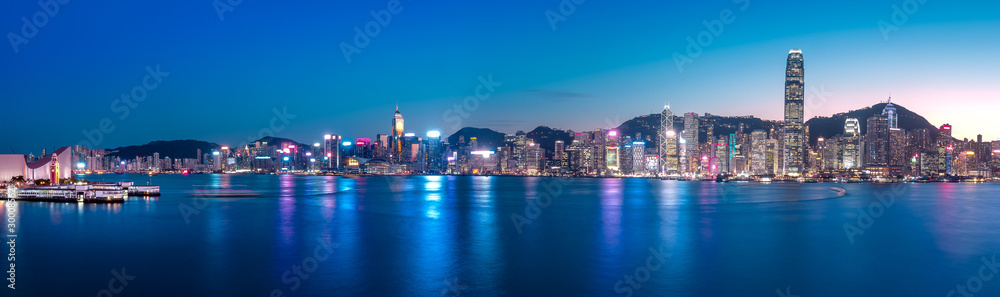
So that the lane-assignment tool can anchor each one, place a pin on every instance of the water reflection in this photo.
(459, 229)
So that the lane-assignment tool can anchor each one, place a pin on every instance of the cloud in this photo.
(554, 95)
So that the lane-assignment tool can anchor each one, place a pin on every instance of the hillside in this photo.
(832, 126)
(176, 149)
(547, 137)
(485, 138)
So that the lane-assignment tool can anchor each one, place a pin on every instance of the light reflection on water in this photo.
(415, 235)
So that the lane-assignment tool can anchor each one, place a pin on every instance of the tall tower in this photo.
(758, 152)
(890, 112)
(668, 142)
(691, 141)
(852, 144)
(794, 113)
(397, 136)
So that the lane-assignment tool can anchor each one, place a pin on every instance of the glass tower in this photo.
(794, 113)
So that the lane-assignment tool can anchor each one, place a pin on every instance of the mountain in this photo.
(834, 125)
(272, 141)
(485, 138)
(176, 149)
(547, 137)
(645, 127)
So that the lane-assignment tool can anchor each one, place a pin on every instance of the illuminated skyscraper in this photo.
(668, 142)
(852, 143)
(794, 113)
(691, 141)
(758, 152)
(397, 136)
(638, 157)
(877, 146)
(890, 112)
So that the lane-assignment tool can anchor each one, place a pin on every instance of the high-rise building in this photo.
(851, 146)
(758, 152)
(638, 157)
(946, 130)
(397, 137)
(877, 145)
(897, 151)
(690, 136)
(612, 153)
(560, 150)
(669, 158)
(720, 155)
(794, 113)
(891, 115)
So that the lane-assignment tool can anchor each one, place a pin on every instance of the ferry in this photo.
(68, 193)
(130, 188)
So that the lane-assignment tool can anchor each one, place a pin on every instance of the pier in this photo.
(85, 193)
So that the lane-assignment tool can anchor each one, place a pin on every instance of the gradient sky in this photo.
(606, 63)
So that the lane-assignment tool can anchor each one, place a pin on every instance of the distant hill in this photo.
(486, 139)
(832, 126)
(647, 126)
(175, 149)
(643, 126)
(547, 137)
(277, 141)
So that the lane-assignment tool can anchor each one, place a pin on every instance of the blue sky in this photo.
(606, 62)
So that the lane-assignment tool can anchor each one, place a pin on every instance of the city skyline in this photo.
(229, 99)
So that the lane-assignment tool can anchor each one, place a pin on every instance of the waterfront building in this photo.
(396, 141)
(51, 167)
(638, 157)
(758, 152)
(851, 144)
(794, 140)
(877, 145)
(691, 126)
(897, 150)
(668, 142)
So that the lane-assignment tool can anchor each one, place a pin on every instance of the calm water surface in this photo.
(486, 236)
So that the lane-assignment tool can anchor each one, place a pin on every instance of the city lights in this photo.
(434, 134)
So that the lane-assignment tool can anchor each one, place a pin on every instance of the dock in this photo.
(85, 193)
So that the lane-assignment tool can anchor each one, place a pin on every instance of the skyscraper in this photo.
(890, 113)
(638, 157)
(691, 141)
(794, 112)
(758, 152)
(877, 145)
(852, 143)
(896, 141)
(668, 142)
(397, 137)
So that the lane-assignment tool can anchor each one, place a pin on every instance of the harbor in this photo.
(80, 193)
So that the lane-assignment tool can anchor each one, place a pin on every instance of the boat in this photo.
(69, 193)
(226, 193)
